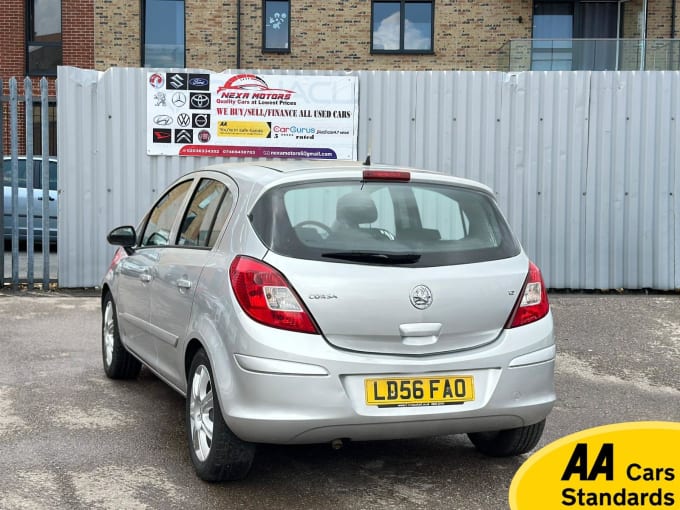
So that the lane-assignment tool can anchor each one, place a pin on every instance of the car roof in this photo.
(266, 174)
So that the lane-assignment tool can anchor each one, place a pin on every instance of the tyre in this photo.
(118, 362)
(217, 454)
(510, 442)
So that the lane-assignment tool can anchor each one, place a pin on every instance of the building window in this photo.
(163, 33)
(402, 27)
(276, 26)
(43, 37)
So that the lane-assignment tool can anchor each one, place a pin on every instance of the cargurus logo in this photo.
(295, 130)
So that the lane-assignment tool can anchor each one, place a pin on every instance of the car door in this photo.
(178, 269)
(138, 269)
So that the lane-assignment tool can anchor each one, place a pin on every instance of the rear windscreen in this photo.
(411, 223)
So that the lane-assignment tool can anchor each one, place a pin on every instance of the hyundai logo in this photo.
(162, 120)
(179, 99)
(421, 297)
(198, 82)
(200, 101)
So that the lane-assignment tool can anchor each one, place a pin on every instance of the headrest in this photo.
(355, 208)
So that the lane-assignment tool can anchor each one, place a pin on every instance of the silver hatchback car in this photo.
(307, 301)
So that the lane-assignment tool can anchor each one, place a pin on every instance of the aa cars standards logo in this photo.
(626, 465)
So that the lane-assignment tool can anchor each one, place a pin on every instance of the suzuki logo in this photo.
(176, 81)
(421, 297)
(183, 120)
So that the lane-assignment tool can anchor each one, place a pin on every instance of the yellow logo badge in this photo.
(626, 465)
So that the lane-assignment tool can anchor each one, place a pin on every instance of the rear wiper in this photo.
(374, 257)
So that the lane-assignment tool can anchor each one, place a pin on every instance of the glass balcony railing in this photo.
(590, 55)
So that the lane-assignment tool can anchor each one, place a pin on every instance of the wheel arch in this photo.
(193, 346)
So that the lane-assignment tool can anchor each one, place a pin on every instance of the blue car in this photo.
(37, 199)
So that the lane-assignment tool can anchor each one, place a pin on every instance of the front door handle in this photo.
(183, 284)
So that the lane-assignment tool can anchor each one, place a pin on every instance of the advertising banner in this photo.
(249, 116)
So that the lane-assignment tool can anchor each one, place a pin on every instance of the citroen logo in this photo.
(421, 297)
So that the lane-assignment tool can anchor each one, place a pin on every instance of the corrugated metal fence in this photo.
(583, 163)
(26, 181)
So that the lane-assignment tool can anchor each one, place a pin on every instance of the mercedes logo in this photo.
(421, 297)
(179, 99)
(200, 100)
(183, 120)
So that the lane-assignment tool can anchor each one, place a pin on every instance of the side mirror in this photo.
(123, 236)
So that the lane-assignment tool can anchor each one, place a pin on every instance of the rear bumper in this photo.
(314, 393)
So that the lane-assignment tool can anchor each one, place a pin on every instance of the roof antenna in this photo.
(367, 162)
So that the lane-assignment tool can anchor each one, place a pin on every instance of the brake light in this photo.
(387, 175)
(117, 257)
(532, 303)
(267, 297)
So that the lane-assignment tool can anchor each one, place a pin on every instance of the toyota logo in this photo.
(421, 297)
(162, 120)
(179, 99)
(200, 100)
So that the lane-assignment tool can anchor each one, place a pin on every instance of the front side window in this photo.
(276, 26)
(415, 224)
(402, 27)
(43, 37)
(163, 33)
(162, 216)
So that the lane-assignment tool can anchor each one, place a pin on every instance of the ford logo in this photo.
(198, 82)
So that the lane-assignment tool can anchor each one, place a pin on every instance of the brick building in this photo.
(38, 35)
(35, 37)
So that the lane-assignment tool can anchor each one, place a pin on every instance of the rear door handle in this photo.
(183, 284)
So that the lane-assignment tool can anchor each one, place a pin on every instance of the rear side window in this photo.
(410, 223)
(206, 214)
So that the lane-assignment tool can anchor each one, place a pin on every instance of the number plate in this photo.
(420, 391)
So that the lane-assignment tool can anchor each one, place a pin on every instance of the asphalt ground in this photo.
(72, 439)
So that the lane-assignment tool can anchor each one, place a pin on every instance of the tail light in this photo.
(532, 303)
(117, 257)
(267, 297)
